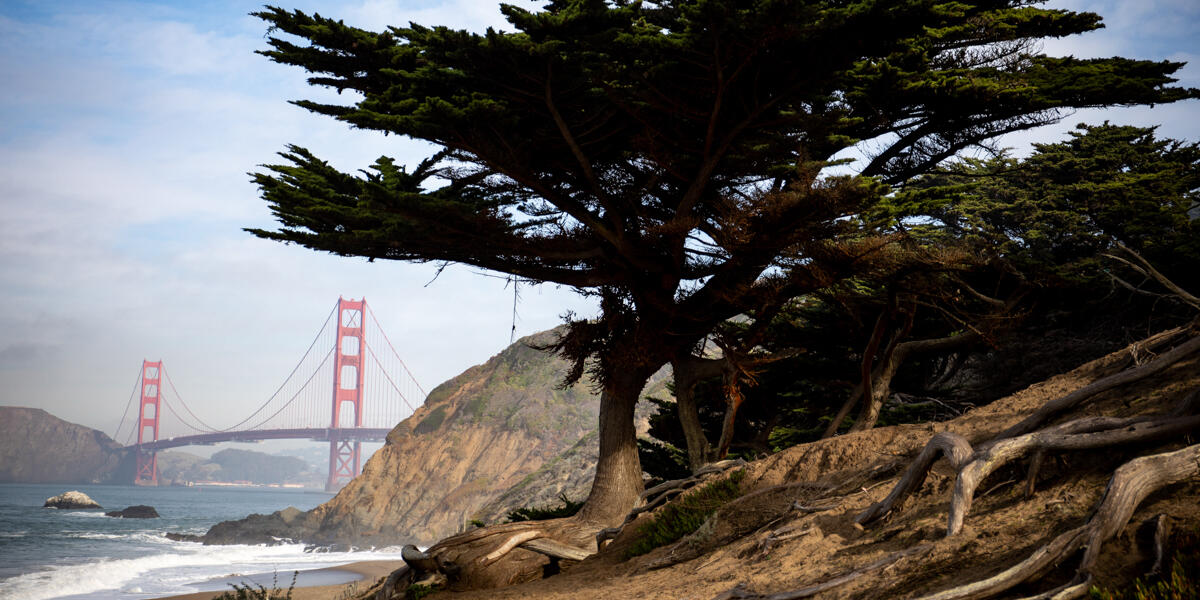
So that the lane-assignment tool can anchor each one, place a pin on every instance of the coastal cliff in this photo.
(37, 447)
(483, 436)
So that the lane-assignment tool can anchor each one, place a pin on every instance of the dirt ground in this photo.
(762, 543)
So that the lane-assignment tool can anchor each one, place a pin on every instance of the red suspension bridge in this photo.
(350, 387)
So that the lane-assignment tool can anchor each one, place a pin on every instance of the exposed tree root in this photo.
(1162, 530)
(956, 449)
(973, 465)
(1058, 406)
(984, 462)
(739, 592)
(498, 555)
(1129, 486)
(508, 545)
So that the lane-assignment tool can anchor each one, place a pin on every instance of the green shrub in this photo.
(543, 513)
(431, 422)
(418, 591)
(247, 592)
(686, 515)
(1180, 582)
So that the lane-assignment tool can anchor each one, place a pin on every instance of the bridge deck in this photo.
(359, 434)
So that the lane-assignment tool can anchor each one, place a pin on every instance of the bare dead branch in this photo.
(953, 446)
(1132, 483)
(1055, 407)
(509, 544)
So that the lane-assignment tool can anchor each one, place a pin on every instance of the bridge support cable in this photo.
(203, 427)
(404, 366)
(290, 401)
(121, 424)
(289, 378)
(383, 371)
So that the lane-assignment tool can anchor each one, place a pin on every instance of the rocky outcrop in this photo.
(500, 436)
(71, 499)
(37, 447)
(139, 511)
(496, 427)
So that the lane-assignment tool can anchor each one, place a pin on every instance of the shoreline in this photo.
(369, 571)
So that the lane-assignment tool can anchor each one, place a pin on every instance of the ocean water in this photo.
(81, 554)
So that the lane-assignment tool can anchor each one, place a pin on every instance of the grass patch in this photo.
(246, 592)
(418, 591)
(543, 513)
(686, 515)
(1180, 582)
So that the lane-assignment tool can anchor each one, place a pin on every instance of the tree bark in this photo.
(688, 371)
(618, 481)
(893, 359)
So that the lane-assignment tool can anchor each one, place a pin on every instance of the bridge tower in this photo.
(148, 413)
(344, 454)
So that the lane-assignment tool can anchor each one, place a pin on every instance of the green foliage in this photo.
(1180, 582)
(247, 592)
(417, 591)
(1054, 214)
(686, 514)
(666, 156)
(661, 460)
(566, 509)
(432, 421)
(593, 144)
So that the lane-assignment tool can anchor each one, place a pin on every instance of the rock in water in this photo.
(71, 499)
(141, 511)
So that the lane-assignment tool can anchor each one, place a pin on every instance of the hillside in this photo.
(794, 531)
(236, 465)
(37, 447)
(495, 431)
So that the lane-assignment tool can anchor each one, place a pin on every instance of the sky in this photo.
(127, 130)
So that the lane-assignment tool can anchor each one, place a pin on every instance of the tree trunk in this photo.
(618, 481)
(893, 358)
(687, 373)
(733, 401)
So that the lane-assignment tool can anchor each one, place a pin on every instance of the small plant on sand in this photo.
(349, 592)
(249, 592)
(418, 591)
(686, 515)
(1180, 582)
(542, 513)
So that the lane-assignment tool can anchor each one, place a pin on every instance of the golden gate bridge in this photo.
(349, 387)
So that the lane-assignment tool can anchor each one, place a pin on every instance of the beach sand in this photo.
(369, 570)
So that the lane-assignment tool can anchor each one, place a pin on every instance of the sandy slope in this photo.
(850, 472)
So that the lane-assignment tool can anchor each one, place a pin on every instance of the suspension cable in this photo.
(163, 402)
(389, 378)
(289, 377)
(137, 383)
(204, 426)
(293, 398)
(397, 355)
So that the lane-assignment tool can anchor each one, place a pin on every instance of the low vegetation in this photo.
(1180, 582)
(249, 592)
(535, 513)
(687, 515)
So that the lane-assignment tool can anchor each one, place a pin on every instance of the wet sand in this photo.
(368, 572)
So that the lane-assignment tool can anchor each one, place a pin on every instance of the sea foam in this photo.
(182, 568)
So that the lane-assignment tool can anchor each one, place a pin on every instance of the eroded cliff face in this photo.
(37, 447)
(489, 430)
